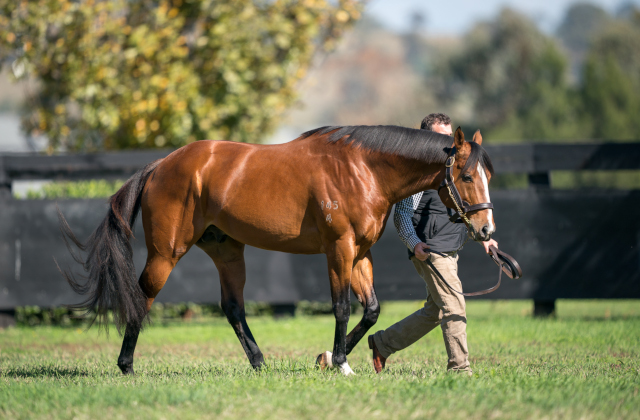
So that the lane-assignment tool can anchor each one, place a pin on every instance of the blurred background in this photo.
(102, 76)
(553, 85)
(521, 71)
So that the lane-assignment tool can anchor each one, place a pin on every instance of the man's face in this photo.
(442, 129)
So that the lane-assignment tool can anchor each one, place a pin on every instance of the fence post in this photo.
(5, 180)
(7, 318)
(542, 308)
(540, 180)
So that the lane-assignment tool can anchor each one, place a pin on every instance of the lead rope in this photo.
(448, 164)
(462, 214)
(481, 292)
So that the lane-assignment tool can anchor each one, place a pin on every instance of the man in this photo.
(422, 221)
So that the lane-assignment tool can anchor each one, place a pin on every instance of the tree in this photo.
(611, 82)
(514, 78)
(581, 24)
(127, 74)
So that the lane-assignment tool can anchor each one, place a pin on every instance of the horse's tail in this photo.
(111, 282)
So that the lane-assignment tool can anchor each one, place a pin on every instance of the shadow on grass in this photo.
(57, 372)
(595, 318)
(70, 372)
(43, 372)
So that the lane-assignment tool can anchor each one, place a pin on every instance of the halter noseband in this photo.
(462, 206)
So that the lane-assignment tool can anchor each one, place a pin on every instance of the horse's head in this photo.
(466, 185)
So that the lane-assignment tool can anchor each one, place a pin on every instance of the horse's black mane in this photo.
(424, 145)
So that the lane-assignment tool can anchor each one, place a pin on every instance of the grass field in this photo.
(582, 364)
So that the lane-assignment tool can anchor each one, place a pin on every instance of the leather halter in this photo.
(462, 207)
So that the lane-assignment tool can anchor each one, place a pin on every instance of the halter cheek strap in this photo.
(462, 207)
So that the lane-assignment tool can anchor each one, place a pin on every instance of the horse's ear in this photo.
(458, 139)
(477, 137)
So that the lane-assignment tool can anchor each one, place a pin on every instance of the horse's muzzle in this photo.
(483, 234)
(486, 232)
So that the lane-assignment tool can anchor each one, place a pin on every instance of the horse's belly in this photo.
(272, 233)
(298, 245)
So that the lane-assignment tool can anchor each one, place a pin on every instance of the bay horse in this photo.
(328, 191)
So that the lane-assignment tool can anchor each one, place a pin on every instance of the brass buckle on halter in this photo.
(450, 161)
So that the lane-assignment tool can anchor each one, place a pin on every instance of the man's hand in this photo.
(487, 244)
(421, 251)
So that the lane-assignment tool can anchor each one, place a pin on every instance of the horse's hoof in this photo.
(345, 369)
(324, 360)
(127, 370)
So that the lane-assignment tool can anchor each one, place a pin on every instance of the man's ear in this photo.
(477, 137)
(458, 139)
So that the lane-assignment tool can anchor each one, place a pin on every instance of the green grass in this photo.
(581, 364)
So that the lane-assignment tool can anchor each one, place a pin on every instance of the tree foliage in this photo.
(582, 22)
(611, 83)
(515, 80)
(118, 74)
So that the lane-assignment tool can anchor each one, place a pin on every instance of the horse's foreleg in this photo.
(362, 286)
(340, 261)
(153, 277)
(228, 256)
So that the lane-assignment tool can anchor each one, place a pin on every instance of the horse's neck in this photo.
(400, 178)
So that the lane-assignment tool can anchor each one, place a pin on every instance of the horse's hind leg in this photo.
(228, 256)
(153, 277)
(362, 286)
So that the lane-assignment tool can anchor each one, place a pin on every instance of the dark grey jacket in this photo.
(433, 227)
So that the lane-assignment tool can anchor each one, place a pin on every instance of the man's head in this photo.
(440, 123)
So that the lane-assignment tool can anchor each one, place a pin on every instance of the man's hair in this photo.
(437, 119)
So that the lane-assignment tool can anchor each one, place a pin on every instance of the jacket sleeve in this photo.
(402, 220)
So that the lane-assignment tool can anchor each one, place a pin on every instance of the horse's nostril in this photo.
(485, 230)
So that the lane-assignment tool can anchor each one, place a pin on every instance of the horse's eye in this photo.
(467, 178)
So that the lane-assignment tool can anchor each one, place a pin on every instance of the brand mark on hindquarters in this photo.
(329, 205)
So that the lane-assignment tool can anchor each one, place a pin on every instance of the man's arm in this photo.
(402, 220)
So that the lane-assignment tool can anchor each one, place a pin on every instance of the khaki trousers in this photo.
(443, 307)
